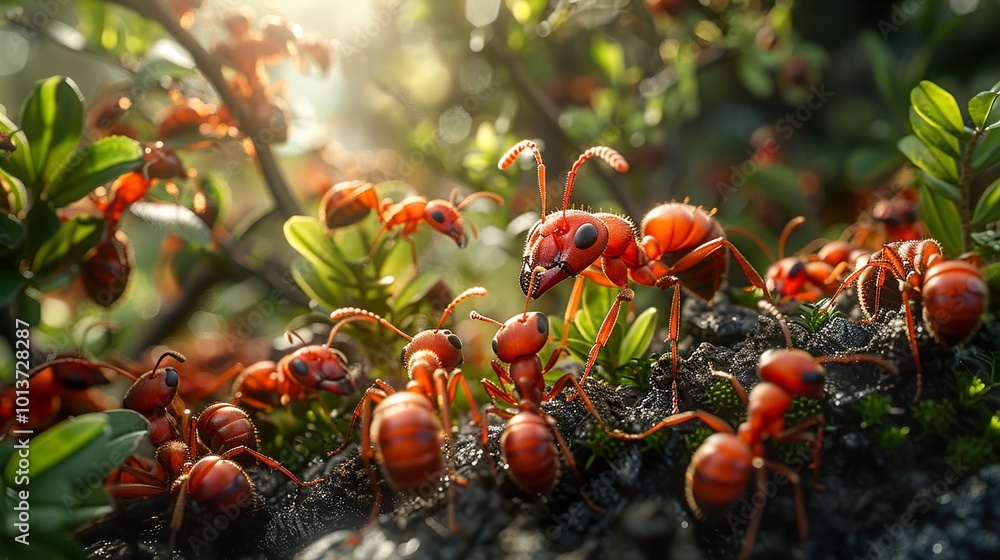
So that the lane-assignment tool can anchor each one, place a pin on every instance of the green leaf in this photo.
(52, 119)
(151, 74)
(940, 215)
(988, 207)
(924, 157)
(18, 195)
(171, 218)
(316, 285)
(991, 275)
(11, 284)
(754, 76)
(95, 165)
(884, 65)
(638, 337)
(866, 164)
(934, 136)
(943, 188)
(980, 108)
(415, 290)
(987, 152)
(218, 195)
(56, 444)
(938, 107)
(42, 224)
(68, 246)
(307, 236)
(11, 230)
(19, 163)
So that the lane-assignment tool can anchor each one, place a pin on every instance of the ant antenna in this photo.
(477, 316)
(515, 151)
(346, 312)
(780, 318)
(341, 323)
(476, 195)
(886, 364)
(614, 159)
(173, 354)
(471, 292)
(791, 225)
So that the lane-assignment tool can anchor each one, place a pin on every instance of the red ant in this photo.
(811, 276)
(720, 468)
(952, 290)
(527, 443)
(106, 269)
(154, 395)
(405, 434)
(213, 481)
(297, 376)
(681, 245)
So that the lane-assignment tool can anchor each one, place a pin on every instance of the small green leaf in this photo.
(934, 136)
(316, 285)
(52, 119)
(415, 290)
(980, 108)
(940, 215)
(991, 275)
(56, 444)
(884, 65)
(638, 337)
(987, 152)
(93, 166)
(307, 236)
(11, 284)
(11, 230)
(988, 207)
(68, 246)
(171, 218)
(925, 158)
(754, 76)
(18, 195)
(19, 163)
(151, 74)
(943, 188)
(218, 195)
(939, 107)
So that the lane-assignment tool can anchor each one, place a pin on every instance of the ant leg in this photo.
(737, 386)
(797, 434)
(378, 391)
(496, 392)
(800, 504)
(456, 380)
(711, 420)
(502, 374)
(177, 516)
(911, 332)
(444, 405)
(561, 384)
(604, 332)
(673, 329)
(570, 462)
(571, 308)
(758, 501)
(485, 433)
(269, 462)
(367, 452)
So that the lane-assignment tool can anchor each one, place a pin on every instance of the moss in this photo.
(936, 418)
(694, 440)
(873, 409)
(722, 396)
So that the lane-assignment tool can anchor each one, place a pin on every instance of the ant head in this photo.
(155, 389)
(524, 334)
(319, 368)
(444, 217)
(795, 371)
(443, 344)
(562, 245)
(786, 277)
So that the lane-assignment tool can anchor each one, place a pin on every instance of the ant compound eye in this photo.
(585, 237)
(798, 269)
(299, 367)
(437, 216)
(402, 354)
(496, 346)
(542, 323)
(172, 378)
(813, 378)
(455, 341)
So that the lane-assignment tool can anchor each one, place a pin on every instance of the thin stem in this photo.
(209, 66)
(964, 188)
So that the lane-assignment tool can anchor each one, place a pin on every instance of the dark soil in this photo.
(864, 501)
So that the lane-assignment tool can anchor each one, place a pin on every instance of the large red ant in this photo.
(527, 443)
(720, 468)
(681, 245)
(405, 434)
(349, 202)
(952, 290)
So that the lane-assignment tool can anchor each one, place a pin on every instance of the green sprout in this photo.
(814, 317)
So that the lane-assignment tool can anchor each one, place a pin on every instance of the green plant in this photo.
(814, 317)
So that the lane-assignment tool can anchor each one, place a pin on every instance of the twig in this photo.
(964, 186)
(207, 64)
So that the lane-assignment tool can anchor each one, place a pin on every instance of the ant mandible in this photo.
(952, 291)
(682, 245)
(405, 434)
(720, 468)
(527, 444)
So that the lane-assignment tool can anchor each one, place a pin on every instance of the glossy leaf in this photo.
(981, 109)
(73, 240)
(18, 164)
(924, 157)
(988, 207)
(13, 189)
(317, 285)
(52, 120)
(11, 284)
(940, 215)
(943, 188)
(934, 136)
(638, 337)
(171, 218)
(938, 107)
(95, 165)
(987, 152)
(56, 444)
(306, 235)
(416, 290)
(11, 230)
